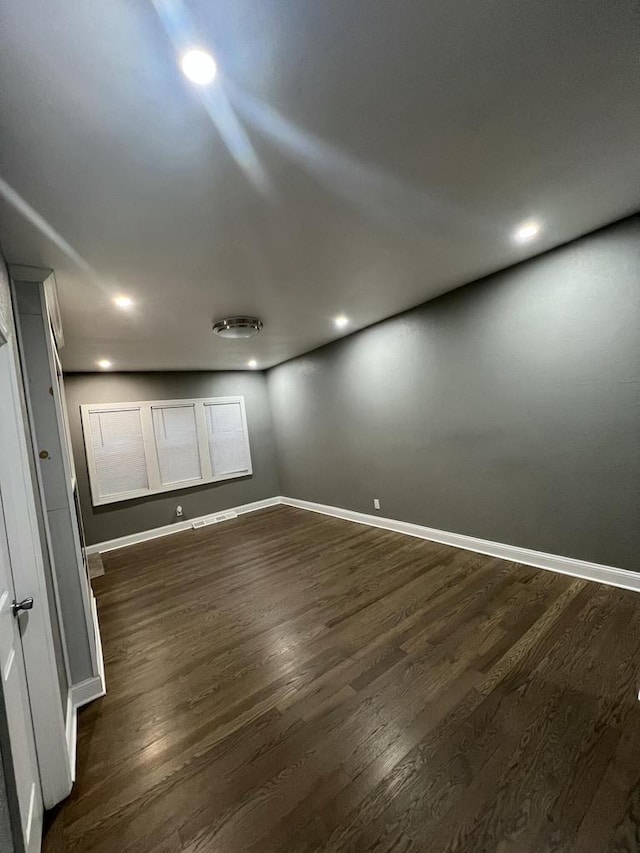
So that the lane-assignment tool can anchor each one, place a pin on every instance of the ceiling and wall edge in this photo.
(443, 296)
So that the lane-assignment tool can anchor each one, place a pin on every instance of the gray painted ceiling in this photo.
(384, 151)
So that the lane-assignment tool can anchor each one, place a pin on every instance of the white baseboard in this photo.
(623, 578)
(611, 575)
(146, 535)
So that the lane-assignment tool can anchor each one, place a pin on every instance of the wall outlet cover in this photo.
(376, 503)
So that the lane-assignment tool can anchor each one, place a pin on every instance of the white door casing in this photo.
(16, 701)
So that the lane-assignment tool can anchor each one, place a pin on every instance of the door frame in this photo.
(23, 536)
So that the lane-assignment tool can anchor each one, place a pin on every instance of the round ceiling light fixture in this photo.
(527, 231)
(199, 66)
(234, 328)
(123, 301)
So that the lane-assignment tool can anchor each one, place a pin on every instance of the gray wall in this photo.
(119, 519)
(507, 410)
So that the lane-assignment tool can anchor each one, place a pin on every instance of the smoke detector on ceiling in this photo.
(234, 328)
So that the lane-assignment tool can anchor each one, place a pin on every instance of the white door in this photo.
(47, 695)
(16, 700)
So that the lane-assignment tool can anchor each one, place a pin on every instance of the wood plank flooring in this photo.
(292, 682)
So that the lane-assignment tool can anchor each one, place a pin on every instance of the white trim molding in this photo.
(179, 526)
(80, 694)
(71, 733)
(84, 692)
(623, 578)
(91, 688)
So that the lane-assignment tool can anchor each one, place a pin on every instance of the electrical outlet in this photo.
(179, 511)
(376, 503)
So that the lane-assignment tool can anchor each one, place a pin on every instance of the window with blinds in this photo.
(176, 435)
(226, 437)
(137, 449)
(118, 451)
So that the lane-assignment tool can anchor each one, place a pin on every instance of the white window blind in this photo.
(176, 435)
(137, 449)
(227, 438)
(118, 451)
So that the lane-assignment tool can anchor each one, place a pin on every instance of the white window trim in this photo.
(150, 451)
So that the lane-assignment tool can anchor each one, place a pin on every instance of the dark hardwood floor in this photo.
(292, 682)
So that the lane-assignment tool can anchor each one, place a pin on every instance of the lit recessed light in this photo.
(104, 363)
(341, 321)
(527, 231)
(123, 301)
(252, 363)
(199, 66)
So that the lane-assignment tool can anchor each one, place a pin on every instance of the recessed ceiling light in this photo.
(104, 363)
(527, 231)
(199, 66)
(123, 301)
(252, 363)
(341, 321)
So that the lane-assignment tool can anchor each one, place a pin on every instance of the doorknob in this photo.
(25, 604)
